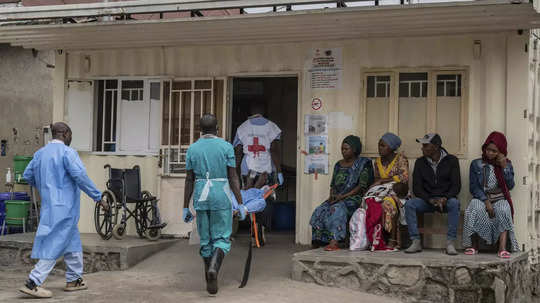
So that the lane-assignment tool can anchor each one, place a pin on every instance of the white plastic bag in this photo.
(357, 227)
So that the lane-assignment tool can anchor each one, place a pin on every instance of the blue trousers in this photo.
(215, 228)
(418, 205)
(74, 268)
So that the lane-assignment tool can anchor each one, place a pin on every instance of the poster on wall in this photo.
(316, 125)
(317, 144)
(325, 68)
(316, 163)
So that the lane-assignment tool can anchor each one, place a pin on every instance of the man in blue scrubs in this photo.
(212, 180)
(58, 173)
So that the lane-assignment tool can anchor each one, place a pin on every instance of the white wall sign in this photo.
(325, 68)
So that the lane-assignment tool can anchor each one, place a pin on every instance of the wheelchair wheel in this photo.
(118, 231)
(153, 234)
(105, 220)
(141, 222)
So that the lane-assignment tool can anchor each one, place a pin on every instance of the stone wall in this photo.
(435, 278)
(26, 102)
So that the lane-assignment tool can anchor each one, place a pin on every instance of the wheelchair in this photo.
(123, 188)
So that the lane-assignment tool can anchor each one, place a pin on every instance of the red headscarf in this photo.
(499, 140)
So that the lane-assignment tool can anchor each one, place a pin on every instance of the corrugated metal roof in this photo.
(328, 24)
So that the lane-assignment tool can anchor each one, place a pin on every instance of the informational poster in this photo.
(326, 68)
(340, 120)
(316, 164)
(316, 132)
(316, 125)
(317, 144)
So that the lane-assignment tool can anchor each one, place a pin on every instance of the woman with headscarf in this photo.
(489, 215)
(351, 178)
(390, 168)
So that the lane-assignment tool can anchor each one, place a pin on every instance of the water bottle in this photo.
(8, 175)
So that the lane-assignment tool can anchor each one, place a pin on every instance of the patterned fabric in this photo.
(477, 220)
(329, 221)
(400, 169)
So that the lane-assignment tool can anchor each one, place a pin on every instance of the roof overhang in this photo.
(293, 26)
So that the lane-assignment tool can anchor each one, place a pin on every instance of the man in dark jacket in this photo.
(436, 184)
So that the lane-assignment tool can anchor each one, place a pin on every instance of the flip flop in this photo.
(331, 247)
(504, 254)
(471, 251)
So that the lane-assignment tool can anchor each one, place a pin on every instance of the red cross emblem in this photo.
(256, 148)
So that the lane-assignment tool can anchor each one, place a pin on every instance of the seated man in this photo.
(436, 184)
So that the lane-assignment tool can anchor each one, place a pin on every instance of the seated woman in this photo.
(351, 178)
(489, 215)
(391, 167)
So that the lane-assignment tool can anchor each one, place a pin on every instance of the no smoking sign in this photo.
(316, 103)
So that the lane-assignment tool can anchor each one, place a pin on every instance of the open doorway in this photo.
(279, 96)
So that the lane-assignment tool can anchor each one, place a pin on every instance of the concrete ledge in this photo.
(99, 255)
(430, 276)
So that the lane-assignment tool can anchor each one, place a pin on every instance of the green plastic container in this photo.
(16, 210)
(20, 163)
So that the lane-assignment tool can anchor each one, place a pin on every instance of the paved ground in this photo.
(176, 275)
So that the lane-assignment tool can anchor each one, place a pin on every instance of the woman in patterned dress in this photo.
(351, 178)
(391, 167)
(489, 215)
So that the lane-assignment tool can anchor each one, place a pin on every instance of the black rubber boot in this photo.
(206, 266)
(213, 271)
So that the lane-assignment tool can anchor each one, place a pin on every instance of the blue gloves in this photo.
(242, 211)
(187, 216)
(280, 178)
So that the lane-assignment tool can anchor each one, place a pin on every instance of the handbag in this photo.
(493, 196)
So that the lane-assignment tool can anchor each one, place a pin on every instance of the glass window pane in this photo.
(186, 119)
(207, 103)
(440, 89)
(451, 89)
(446, 77)
(125, 95)
(132, 84)
(197, 116)
(413, 77)
(107, 115)
(383, 78)
(155, 90)
(203, 84)
(404, 90)
(415, 89)
(381, 90)
(115, 103)
(459, 86)
(111, 84)
(181, 85)
(165, 114)
(175, 121)
(371, 86)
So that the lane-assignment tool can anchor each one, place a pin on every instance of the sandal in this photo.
(471, 251)
(76, 285)
(504, 254)
(331, 247)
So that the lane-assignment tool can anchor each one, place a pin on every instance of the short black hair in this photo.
(208, 123)
(59, 128)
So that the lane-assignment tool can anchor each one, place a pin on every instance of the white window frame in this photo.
(166, 148)
(146, 97)
(393, 110)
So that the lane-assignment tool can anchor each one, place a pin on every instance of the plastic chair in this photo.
(16, 215)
